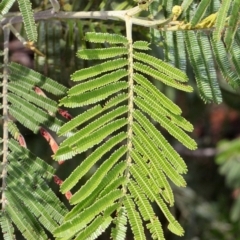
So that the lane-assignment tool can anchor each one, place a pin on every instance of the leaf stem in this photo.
(130, 95)
(5, 115)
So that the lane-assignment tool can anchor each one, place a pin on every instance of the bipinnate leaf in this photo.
(117, 128)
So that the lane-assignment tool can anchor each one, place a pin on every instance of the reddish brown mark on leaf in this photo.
(53, 144)
(65, 114)
(22, 141)
(39, 91)
(68, 195)
(59, 182)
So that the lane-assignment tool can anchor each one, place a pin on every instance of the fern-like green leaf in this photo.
(101, 121)
(146, 211)
(235, 57)
(33, 97)
(232, 24)
(201, 60)
(93, 96)
(95, 180)
(134, 219)
(210, 68)
(161, 77)
(32, 205)
(119, 231)
(13, 130)
(174, 49)
(174, 226)
(28, 19)
(109, 182)
(48, 211)
(224, 64)
(101, 191)
(36, 165)
(80, 119)
(96, 228)
(27, 120)
(161, 98)
(200, 11)
(168, 5)
(221, 19)
(98, 82)
(176, 119)
(98, 69)
(35, 79)
(141, 45)
(23, 219)
(186, 4)
(105, 37)
(151, 152)
(154, 9)
(31, 201)
(162, 143)
(90, 141)
(101, 53)
(145, 158)
(31, 116)
(214, 6)
(155, 177)
(162, 66)
(71, 227)
(180, 56)
(7, 227)
(115, 184)
(5, 5)
(166, 123)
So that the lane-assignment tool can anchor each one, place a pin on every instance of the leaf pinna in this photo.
(123, 133)
(118, 138)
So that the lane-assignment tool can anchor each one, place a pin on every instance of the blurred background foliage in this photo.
(209, 207)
